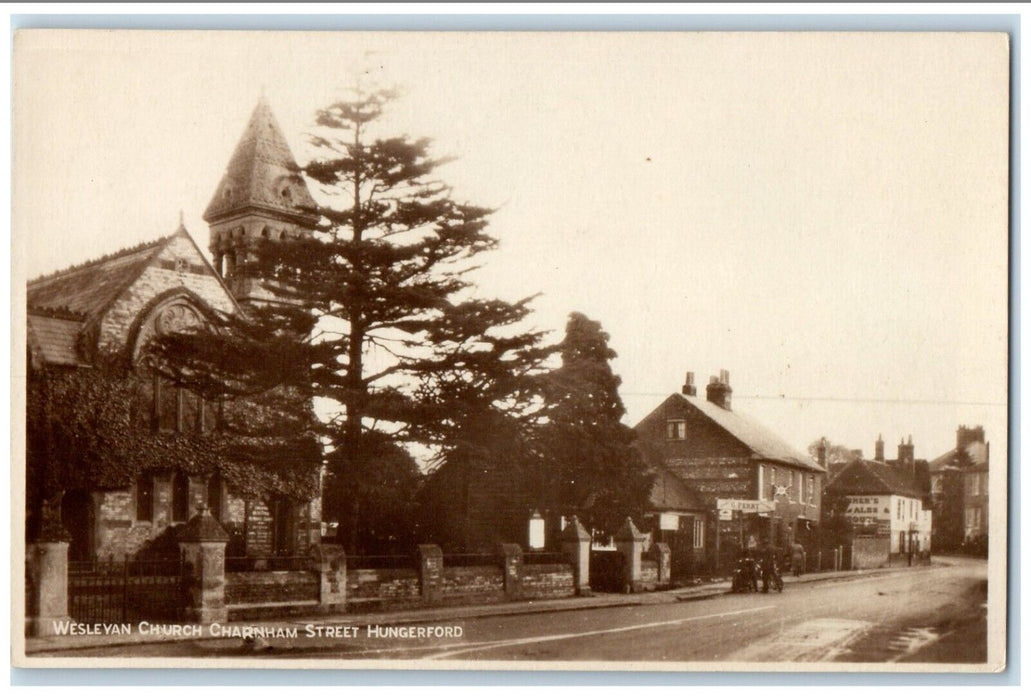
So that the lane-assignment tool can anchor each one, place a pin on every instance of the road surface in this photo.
(927, 614)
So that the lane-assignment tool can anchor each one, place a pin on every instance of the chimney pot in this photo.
(719, 391)
(689, 387)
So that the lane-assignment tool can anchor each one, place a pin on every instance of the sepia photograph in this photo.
(639, 351)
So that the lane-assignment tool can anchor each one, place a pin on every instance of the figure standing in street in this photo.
(797, 559)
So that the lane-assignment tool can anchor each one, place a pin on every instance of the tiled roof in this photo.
(866, 477)
(670, 493)
(89, 288)
(262, 172)
(977, 451)
(763, 443)
(54, 339)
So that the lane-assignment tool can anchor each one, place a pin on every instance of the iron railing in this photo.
(125, 591)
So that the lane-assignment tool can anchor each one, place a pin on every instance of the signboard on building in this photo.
(743, 505)
(669, 521)
(869, 515)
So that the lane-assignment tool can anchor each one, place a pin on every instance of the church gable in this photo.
(177, 267)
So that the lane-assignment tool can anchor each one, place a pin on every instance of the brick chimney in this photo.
(878, 449)
(689, 388)
(821, 453)
(718, 391)
(906, 454)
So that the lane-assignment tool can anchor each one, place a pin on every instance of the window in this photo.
(936, 484)
(699, 533)
(214, 496)
(801, 497)
(898, 510)
(811, 486)
(180, 498)
(676, 430)
(145, 498)
(179, 410)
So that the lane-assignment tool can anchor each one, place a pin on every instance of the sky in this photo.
(823, 215)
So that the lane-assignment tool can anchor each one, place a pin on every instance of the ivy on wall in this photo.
(92, 428)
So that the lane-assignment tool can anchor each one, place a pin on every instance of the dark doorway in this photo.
(180, 498)
(681, 546)
(77, 518)
(284, 526)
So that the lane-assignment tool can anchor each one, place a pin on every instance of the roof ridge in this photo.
(128, 250)
(61, 312)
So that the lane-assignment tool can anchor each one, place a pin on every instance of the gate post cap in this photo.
(427, 551)
(203, 528)
(661, 548)
(575, 532)
(629, 532)
(510, 550)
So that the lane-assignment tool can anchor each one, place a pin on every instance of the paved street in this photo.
(920, 614)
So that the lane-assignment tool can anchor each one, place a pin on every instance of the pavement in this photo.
(702, 591)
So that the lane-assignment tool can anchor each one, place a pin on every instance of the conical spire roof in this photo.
(262, 173)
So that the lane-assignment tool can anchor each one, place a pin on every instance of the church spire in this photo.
(261, 173)
(261, 196)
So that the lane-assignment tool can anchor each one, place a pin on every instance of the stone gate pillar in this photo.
(576, 545)
(46, 587)
(202, 545)
(330, 563)
(512, 563)
(431, 574)
(630, 543)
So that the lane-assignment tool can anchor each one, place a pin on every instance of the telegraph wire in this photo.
(837, 399)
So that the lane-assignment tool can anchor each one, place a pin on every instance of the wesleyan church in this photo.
(115, 304)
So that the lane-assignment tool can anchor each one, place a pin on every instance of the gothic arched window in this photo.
(174, 408)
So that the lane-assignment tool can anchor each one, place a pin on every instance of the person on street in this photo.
(768, 560)
(797, 559)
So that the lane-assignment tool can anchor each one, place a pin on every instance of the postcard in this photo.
(647, 351)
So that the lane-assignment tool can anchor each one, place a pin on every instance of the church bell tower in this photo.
(261, 196)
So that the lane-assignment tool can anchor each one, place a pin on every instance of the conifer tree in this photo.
(594, 469)
(376, 316)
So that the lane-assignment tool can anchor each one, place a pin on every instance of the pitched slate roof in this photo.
(53, 339)
(262, 172)
(763, 443)
(670, 493)
(864, 477)
(978, 452)
(89, 288)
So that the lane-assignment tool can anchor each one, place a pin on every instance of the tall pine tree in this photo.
(595, 472)
(376, 313)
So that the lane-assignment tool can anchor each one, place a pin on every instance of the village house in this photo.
(959, 492)
(739, 484)
(111, 308)
(885, 505)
